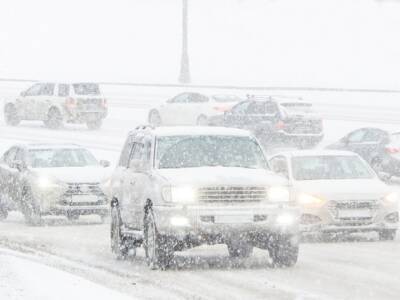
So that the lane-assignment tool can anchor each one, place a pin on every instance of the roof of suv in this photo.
(199, 130)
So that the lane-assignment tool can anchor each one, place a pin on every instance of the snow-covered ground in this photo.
(356, 267)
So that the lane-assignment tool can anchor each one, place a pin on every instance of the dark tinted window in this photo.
(374, 135)
(63, 90)
(47, 89)
(356, 136)
(241, 108)
(33, 90)
(197, 98)
(86, 88)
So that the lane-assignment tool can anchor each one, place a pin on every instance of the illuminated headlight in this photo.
(179, 221)
(45, 183)
(307, 199)
(285, 219)
(392, 198)
(278, 194)
(179, 194)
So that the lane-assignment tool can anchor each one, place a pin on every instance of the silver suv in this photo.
(56, 103)
(180, 187)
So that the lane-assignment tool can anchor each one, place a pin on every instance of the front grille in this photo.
(84, 189)
(232, 194)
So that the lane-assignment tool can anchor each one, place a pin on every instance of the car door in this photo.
(172, 112)
(135, 184)
(371, 144)
(6, 173)
(26, 102)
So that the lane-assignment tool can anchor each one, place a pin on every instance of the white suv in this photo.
(56, 103)
(181, 187)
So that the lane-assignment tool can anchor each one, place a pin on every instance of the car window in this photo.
(33, 90)
(125, 154)
(197, 98)
(63, 90)
(20, 155)
(374, 135)
(182, 98)
(241, 108)
(356, 136)
(256, 108)
(47, 89)
(86, 89)
(138, 152)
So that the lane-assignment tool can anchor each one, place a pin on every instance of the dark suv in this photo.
(378, 147)
(275, 119)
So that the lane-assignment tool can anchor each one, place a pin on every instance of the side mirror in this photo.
(138, 166)
(19, 165)
(104, 163)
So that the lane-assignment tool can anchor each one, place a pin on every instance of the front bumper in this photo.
(225, 221)
(80, 210)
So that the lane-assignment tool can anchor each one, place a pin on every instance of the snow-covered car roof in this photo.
(51, 146)
(199, 130)
(297, 153)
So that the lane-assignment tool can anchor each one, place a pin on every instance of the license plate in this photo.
(233, 219)
(354, 213)
(84, 198)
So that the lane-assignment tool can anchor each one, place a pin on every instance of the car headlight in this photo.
(307, 199)
(44, 183)
(392, 198)
(179, 194)
(278, 194)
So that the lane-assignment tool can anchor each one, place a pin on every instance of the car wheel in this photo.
(30, 208)
(202, 121)
(94, 125)
(239, 249)
(283, 252)
(118, 243)
(3, 213)
(159, 250)
(54, 119)
(155, 118)
(11, 115)
(387, 235)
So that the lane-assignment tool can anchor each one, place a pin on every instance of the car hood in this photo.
(75, 174)
(219, 176)
(348, 189)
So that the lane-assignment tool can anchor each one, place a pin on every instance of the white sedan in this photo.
(339, 192)
(191, 109)
(53, 179)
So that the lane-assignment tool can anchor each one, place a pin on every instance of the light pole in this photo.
(184, 76)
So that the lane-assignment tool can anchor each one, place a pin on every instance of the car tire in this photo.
(239, 249)
(3, 213)
(387, 235)
(158, 248)
(94, 125)
(154, 118)
(202, 120)
(54, 119)
(118, 243)
(283, 252)
(11, 115)
(30, 209)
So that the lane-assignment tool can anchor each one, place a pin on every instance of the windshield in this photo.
(60, 158)
(86, 89)
(297, 107)
(329, 167)
(202, 151)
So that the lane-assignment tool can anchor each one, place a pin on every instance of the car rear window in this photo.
(86, 89)
(226, 98)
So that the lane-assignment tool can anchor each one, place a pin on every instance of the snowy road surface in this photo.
(353, 268)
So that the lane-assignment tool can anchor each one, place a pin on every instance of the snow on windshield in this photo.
(60, 158)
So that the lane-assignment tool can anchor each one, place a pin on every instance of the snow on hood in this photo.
(217, 176)
(90, 174)
(347, 189)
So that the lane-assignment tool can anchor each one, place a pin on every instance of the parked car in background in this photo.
(58, 103)
(380, 148)
(339, 192)
(53, 179)
(180, 187)
(191, 109)
(275, 120)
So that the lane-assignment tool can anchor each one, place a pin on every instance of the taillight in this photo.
(70, 102)
(104, 102)
(221, 108)
(280, 125)
(392, 150)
